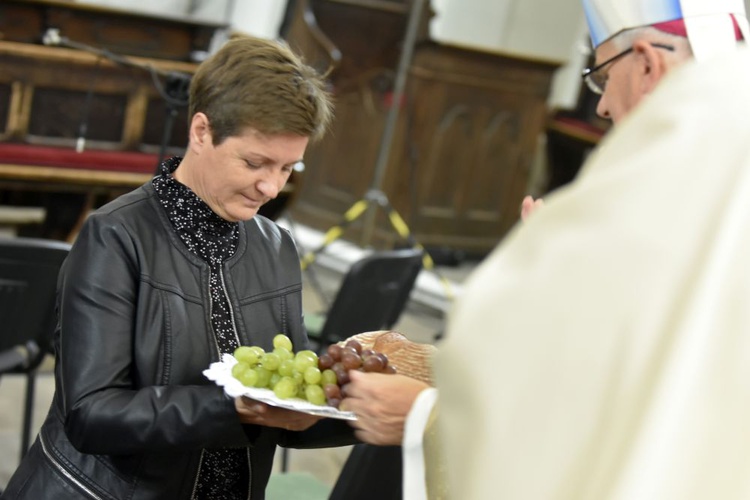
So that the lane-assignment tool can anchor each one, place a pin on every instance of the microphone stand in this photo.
(375, 195)
(174, 91)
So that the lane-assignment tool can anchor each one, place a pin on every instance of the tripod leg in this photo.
(335, 232)
(399, 225)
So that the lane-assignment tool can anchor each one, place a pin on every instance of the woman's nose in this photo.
(270, 187)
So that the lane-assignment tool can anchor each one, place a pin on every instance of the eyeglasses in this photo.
(596, 79)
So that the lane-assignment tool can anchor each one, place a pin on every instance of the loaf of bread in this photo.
(409, 358)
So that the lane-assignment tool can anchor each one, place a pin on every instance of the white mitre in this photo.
(710, 27)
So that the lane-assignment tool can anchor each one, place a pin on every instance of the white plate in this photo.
(221, 373)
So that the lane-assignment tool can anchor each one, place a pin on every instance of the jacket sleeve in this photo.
(324, 434)
(105, 410)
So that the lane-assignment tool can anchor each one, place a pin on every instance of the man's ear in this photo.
(200, 132)
(652, 65)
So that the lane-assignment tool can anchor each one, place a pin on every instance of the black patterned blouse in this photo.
(224, 474)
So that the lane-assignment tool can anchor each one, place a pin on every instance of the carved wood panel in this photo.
(461, 155)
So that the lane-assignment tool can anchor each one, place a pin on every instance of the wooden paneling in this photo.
(54, 89)
(117, 30)
(461, 155)
(464, 142)
(47, 93)
(476, 119)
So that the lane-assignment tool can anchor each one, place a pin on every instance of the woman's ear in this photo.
(200, 132)
(652, 65)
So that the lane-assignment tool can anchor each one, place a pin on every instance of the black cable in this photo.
(175, 91)
(178, 94)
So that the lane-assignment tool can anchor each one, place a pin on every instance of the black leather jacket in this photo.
(132, 410)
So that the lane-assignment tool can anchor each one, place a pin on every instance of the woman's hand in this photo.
(381, 403)
(254, 412)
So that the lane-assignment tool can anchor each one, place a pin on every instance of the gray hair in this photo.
(626, 38)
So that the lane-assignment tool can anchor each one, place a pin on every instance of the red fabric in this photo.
(677, 27)
(580, 124)
(121, 161)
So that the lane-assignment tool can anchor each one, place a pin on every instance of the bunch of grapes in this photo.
(286, 373)
(319, 380)
(339, 360)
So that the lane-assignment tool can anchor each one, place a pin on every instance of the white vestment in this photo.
(603, 350)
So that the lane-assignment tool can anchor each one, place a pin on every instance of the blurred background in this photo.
(448, 112)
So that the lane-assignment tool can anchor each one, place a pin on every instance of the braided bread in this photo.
(410, 358)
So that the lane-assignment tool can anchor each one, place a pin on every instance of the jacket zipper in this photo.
(65, 471)
(229, 305)
(237, 338)
(249, 475)
(211, 313)
(218, 350)
(197, 475)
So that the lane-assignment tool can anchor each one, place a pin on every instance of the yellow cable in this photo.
(332, 235)
(398, 224)
(335, 232)
(355, 210)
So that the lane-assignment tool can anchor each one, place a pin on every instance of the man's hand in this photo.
(255, 412)
(381, 403)
(530, 205)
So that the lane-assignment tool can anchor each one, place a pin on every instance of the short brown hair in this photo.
(259, 83)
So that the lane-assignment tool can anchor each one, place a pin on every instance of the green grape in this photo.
(283, 353)
(246, 354)
(285, 388)
(286, 368)
(298, 377)
(310, 354)
(282, 341)
(264, 377)
(275, 377)
(328, 377)
(240, 368)
(313, 375)
(249, 378)
(315, 395)
(270, 361)
(258, 350)
(303, 360)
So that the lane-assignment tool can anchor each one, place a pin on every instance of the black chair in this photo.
(28, 282)
(371, 297)
(371, 472)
